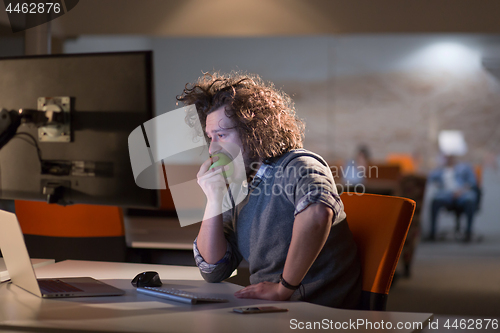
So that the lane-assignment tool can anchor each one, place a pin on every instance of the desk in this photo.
(4, 274)
(159, 233)
(135, 312)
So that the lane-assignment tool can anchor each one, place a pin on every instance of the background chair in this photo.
(379, 225)
(412, 187)
(406, 162)
(81, 232)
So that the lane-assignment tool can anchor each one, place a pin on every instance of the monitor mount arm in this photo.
(11, 120)
(9, 123)
(45, 120)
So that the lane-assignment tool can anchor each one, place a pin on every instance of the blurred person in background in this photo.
(457, 189)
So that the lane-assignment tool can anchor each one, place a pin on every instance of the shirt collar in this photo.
(265, 171)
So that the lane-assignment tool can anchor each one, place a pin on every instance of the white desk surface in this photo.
(4, 274)
(135, 312)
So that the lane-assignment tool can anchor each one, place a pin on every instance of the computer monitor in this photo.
(102, 98)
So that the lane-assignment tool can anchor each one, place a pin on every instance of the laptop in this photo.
(4, 273)
(23, 275)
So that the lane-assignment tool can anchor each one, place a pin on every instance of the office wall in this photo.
(393, 92)
(11, 46)
(396, 92)
(178, 61)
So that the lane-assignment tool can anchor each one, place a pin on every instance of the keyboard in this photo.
(179, 295)
(56, 286)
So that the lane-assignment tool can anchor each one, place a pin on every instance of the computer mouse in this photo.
(147, 279)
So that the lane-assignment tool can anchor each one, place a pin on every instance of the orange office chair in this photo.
(81, 232)
(379, 225)
(405, 161)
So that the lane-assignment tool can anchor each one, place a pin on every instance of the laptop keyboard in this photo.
(56, 286)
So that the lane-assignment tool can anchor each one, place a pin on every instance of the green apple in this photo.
(223, 160)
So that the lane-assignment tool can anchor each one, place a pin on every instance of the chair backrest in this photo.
(478, 172)
(384, 171)
(405, 161)
(40, 218)
(379, 225)
(88, 232)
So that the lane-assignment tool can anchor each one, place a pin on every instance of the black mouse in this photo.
(147, 279)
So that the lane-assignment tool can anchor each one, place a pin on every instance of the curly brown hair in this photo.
(264, 116)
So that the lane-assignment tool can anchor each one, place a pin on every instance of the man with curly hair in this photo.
(290, 226)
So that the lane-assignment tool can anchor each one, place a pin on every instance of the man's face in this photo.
(224, 138)
(449, 160)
